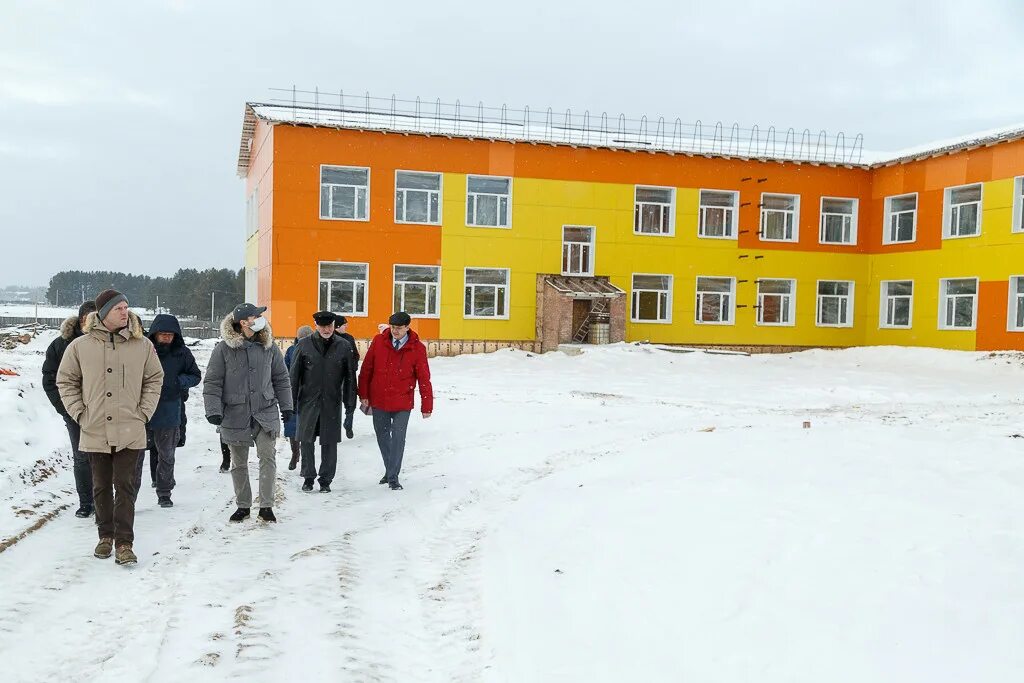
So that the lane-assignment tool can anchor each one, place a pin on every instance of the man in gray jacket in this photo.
(246, 383)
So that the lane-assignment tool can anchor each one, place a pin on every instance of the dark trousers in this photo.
(348, 420)
(328, 460)
(225, 456)
(390, 428)
(82, 468)
(114, 492)
(161, 461)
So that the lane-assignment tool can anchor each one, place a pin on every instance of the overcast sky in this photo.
(121, 120)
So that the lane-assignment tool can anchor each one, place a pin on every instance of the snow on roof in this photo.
(586, 131)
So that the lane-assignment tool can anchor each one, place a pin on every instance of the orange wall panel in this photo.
(993, 303)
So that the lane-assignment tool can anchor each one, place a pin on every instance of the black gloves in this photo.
(287, 415)
(215, 419)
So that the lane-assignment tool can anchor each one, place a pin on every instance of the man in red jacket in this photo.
(394, 363)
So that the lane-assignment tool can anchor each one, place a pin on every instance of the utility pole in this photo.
(158, 303)
(213, 303)
(82, 284)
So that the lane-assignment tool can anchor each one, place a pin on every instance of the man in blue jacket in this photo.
(180, 374)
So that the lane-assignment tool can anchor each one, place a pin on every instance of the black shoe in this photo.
(225, 467)
(383, 480)
(240, 514)
(395, 486)
(84, 511)
(152, 484)
(325, 488)
(307, 485)
(164, 502)
(349, 434)
(267, 515)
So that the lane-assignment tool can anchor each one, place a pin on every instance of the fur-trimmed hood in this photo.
(69, 329)
(133, 331)
(234, 340)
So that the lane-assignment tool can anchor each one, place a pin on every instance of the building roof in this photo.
(582, 287)
(452, 121)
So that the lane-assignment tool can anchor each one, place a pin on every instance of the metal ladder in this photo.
(599, 306)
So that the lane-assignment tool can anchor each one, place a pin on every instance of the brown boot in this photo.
(104, 548)
(295, 454)
(125, 555)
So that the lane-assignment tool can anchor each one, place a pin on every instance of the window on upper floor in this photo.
(417, 197)
(653, 210)
(577, 250)
(488, 202)
(344, 193)
(1018, 204)
(900, 219)
(717, 214)
(838, 221)
(780, 217)
(962, 211)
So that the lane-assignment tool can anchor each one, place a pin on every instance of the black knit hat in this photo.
(340, 320)
(86, 308)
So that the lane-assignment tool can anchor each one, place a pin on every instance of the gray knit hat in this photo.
(106, 300)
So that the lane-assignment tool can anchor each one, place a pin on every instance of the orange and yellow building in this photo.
(925, 249)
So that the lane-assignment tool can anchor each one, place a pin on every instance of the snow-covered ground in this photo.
(629, 514)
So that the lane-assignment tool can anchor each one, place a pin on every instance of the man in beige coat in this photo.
(109, 381)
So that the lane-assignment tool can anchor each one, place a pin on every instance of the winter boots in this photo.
(395, 486)
(124, 554)
(164, 501)
(84, 511)
(104, 548)
(294, 462)
(239, 515)
(267, 515)
(307, 485)
(383, 480)
(325, 488)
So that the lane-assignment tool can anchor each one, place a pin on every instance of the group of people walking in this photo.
(122, 391)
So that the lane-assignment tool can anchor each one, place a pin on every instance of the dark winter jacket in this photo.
(70, 330)
(351, 340)
(290, 425)
(323, 377)
(180, 373)
(246, 383)
(388, 377)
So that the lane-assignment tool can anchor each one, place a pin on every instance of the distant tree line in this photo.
(187, 293)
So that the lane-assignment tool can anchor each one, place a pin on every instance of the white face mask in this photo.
(258, 324)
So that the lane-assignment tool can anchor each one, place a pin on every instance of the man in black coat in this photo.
(70, 330)
(323, 380)
(341, 329)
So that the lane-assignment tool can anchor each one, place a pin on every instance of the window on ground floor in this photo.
(486, 293)
(716, 300)
(343, 287)
(416, 289)
(897, 307)
(776, 302)
(652, 298)
(958, 303)
(1015, 320)
(835, 303)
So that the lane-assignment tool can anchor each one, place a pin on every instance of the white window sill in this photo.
(351, 220)
(896, 327)
(650, 322)
(838, 244)
(716, 237)
(847, 326)
(768, 239)
(972, 328)
(776, 324)
(961, 237)
(718, 323)
(654, 234)
(416, 223)
(886, 244)
(484, 317)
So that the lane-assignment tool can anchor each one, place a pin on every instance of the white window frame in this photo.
(792, 303)
(671, 208)
(366, 287)
(853, 222)
(252, 213)
(1018, 205)
(1011, 312)
(888, 214)
(700, 302)
(507, 287)
(439, 191)
(943, 303)
(949, 210)
(668, 300)
(883, 306)
(320, 186)
(734, 211)
(508, 214)
(395, 284)
(795, 213)
(592, 244)
(850, 298)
